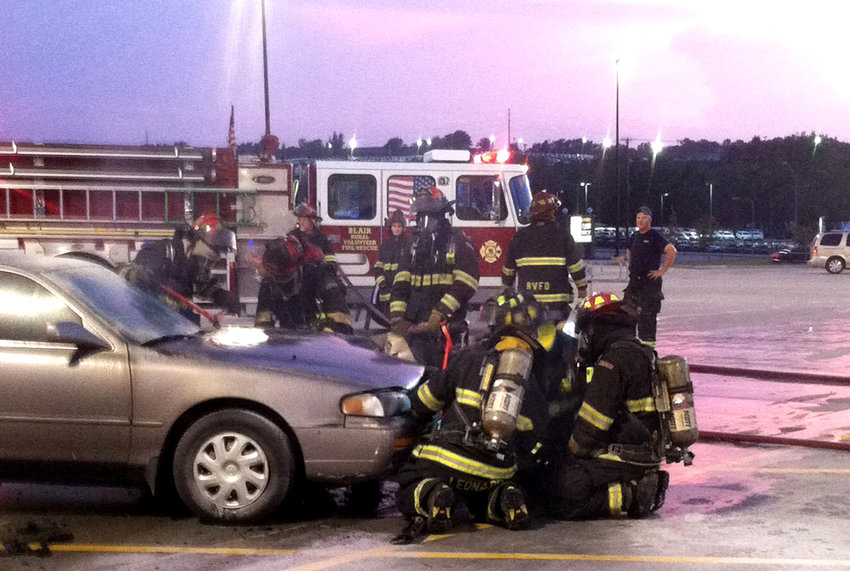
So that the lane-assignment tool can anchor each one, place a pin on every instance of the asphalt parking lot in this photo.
(739, 506)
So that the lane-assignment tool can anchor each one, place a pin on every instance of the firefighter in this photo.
(183, 264)
(643, 253)
(321, 294)
(288, 299)
(542, 257)
(434, 282)
(307, 230)
(279, 300)
(390, 255)
(492, 410)
(614, 453)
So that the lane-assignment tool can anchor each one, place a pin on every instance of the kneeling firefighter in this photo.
(279, 298)
(492, 409)
(622, 433)
(297, 294)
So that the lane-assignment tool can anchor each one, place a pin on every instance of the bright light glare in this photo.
(238, 337)
(352, 143)
(606, 142)
(656, 145)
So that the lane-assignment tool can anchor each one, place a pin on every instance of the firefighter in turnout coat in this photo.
(486, 431)
(434, 282)
(541, 259)
(391, 254)
(183, 265)
(616, 448)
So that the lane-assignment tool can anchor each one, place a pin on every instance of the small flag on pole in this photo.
(231, 133)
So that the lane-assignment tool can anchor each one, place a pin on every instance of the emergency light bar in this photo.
(446, 156)
(501, 156)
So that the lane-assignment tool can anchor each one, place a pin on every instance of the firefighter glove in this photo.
(400, 326)
(434, 321)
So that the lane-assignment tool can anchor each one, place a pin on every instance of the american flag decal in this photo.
(402, 189)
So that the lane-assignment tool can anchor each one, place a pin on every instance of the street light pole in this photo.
(585, 185)
(661, 221)
(710, 200)
(617, 156)
(266, 69)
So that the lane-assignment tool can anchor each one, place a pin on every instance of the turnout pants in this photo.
(585, 489)
(418, 478)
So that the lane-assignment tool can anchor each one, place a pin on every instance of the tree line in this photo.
(782, 185)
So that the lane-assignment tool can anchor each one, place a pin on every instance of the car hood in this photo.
(319, 354)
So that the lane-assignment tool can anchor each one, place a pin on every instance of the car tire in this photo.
(835, 265)
(233, 466)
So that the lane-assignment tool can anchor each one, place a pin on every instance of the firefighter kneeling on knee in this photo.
(491, 407)
(611, 467)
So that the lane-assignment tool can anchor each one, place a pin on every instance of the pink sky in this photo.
(108, 71)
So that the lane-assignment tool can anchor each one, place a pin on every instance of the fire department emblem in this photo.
(491, 251)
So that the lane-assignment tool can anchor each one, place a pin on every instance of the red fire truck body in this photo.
(103, 202)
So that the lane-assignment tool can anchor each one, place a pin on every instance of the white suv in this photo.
(831, 250)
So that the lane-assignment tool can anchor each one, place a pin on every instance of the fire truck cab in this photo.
(354, 199)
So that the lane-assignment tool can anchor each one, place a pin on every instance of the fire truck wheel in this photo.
(233, 466)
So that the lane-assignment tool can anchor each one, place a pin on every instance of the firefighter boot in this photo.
(440, 502)
(512, 510)
(413, 530)
(644, 493)
(661, 492)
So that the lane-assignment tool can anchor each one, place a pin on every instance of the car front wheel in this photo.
(834, 265)
(233, 466)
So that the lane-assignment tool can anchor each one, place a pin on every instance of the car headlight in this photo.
(378, 403)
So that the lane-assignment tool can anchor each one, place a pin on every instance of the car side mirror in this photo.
(75, 334)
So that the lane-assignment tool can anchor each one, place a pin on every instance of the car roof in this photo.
(38, 262)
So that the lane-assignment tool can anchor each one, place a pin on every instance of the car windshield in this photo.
(136, 315)
(521, 194)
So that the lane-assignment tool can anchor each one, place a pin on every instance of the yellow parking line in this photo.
(94, 548)
(388, 552)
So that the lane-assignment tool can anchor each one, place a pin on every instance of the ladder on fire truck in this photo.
(112, 205)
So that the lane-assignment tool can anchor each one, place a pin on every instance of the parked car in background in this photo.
(724, 235)
(792, 254)
(831, 250)
(101, 380)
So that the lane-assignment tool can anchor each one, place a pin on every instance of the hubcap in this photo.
(231, 470)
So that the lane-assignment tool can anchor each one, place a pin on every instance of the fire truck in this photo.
(102, 203)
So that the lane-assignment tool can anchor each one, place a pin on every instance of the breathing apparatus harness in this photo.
(673, 394)
(503, 375)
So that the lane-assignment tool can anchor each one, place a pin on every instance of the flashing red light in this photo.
(493, 157)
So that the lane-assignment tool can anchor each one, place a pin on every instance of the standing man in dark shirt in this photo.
(643, 253)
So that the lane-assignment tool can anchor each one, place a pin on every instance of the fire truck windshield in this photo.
(521, 195)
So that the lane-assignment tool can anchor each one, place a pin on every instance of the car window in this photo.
(26, 308)
(133, 313)
(831, 239)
